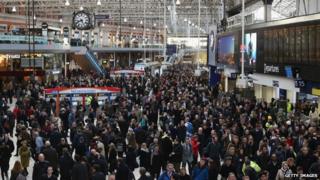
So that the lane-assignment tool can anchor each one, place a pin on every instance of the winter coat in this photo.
(25, 155)
(200, 173)
(187, 155)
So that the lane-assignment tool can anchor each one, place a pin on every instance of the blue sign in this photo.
(171, 49)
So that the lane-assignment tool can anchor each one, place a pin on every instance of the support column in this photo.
(65, 65)
(129, 58)
(225, 83)
(57, 105)
(267, 9)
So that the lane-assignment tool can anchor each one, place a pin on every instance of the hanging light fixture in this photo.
(61, 20)
(81, 8)
(99, 2)
(178, 2)
(125, 19)
(102, 24)
(34, 17)
(134, 28)
(14, 9)
(185, 20)
(141, 22)
(67, 3)
(154, 24)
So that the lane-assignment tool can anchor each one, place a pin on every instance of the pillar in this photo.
(84, 101)
(225, 83)
(57, 105)
(267, 9)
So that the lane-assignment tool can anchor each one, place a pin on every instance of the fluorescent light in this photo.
(67, 3)
(178, 2)
(81, 8)
(99, 2)
(14, 9)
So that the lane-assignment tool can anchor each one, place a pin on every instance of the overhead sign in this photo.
(82, 90)
(26, 62)
(299, 83)
(102, 16)
(271, 69)
(275, 83)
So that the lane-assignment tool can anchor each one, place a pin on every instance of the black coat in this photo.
(123, 172)
(98, 176)
(131, 159)
(66, 163)
(51, 155)
(80, 171)
(177, 156)
(273, 169)
(144, 159)
(166, 147)
(39, 169)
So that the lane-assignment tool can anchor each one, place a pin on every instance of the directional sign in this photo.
(102, 16)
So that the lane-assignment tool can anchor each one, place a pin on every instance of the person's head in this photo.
(228, 160)
(112, 177)
(142, 171)
(305, 150)
(170, 168)
(274, 157)
(95, 168)
(41, 157)
(232, 176)
(47, 144)
(183, 171)
(50, 170)
(17, 167)
(264, 175)
(284, 165)
(202, 163)
(63, 141)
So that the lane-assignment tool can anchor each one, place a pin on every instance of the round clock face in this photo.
(81, 20)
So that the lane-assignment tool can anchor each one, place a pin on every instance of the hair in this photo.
(17, 167)
(142, 171)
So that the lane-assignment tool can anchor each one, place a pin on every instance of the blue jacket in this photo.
(164, 176)
(200, 173)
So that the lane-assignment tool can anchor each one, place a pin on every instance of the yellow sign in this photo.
(316, 91)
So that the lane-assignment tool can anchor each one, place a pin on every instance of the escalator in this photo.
(88, 62)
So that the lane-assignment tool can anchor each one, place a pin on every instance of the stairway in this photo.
(88, 62)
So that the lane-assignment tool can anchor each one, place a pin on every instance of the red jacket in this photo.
(195, 146)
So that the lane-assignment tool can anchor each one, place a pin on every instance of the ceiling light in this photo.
(154, 24)
(178, 2)
(125, 19)
(148, 29)
(67, 3)
(166, 26)
(185, 20)
(14, 9)
(159, 31)
(141, 22)
(81, 8)
(34, 17)
(99, 2)
(61, 20)
(189, 22)
(103, 24)
(134, 28)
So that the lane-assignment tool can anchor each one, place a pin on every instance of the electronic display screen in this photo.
(250, 49)
(226, 50)
(288, 71)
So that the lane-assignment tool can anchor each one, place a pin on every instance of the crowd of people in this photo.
(172, 126)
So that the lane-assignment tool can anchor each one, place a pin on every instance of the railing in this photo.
(95, 62)
(22, 39)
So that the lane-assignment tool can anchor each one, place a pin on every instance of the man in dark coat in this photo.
(273, 166)
(65, 163)
(51, 155)
(40, 167)
(123, 171)
(79, 170)
(97, 174)
(166, 149)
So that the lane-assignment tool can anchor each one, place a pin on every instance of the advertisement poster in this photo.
(212, 45)
(226, 50)
(251, 49)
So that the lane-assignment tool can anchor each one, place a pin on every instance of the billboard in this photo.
(212, 46)
(250, 41)
(226, 50)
